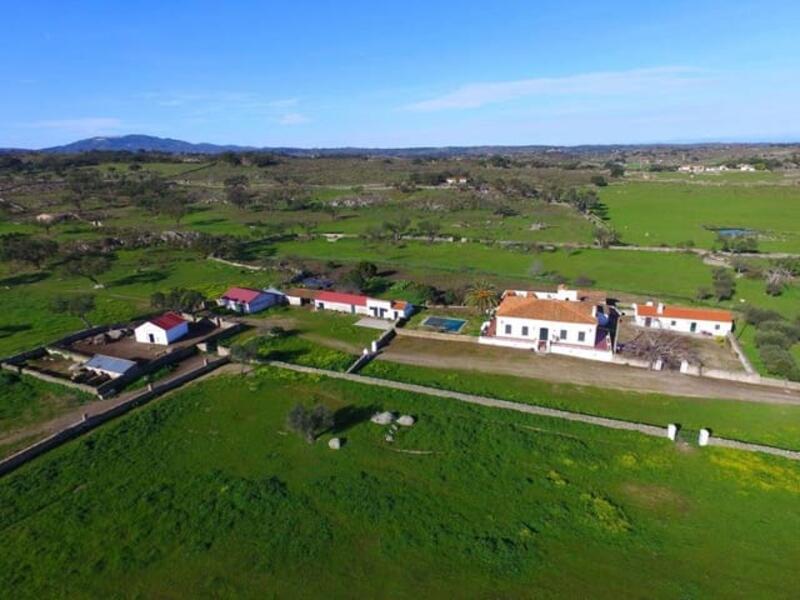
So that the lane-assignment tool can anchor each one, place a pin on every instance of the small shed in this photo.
(109, 365)
(163, 330)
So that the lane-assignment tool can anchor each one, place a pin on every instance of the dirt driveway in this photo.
(561, 369)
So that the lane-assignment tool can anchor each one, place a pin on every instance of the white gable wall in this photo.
(148, 333)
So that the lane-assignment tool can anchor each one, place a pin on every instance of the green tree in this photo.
(178, 299)
(88, 266)
(75, 306)
(24, 248)
(723, 283)
(309, 423)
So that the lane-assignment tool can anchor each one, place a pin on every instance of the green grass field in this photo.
(25, 400)
(29, 321)
(777, 425)
(204, 494)
(650, 214)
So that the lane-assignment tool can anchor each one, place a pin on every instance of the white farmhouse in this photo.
(162, 330)
(558, 322)
(357, 304)
(246, 300)
(683, 319)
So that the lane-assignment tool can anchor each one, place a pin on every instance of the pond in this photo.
(733, 231)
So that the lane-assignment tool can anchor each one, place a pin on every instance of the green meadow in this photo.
(771, 424)
(205, 493)
(655, 214)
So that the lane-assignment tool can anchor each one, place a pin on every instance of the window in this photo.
(321, 306)
(673, 323)
(716, 326)
(581, 336)
(563, 334)
(508, 329)
(525, 331)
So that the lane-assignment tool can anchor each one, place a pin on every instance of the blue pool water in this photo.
(444, 324)
(734, 231)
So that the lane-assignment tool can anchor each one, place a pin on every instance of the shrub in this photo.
(772, 338)
(309, 422)
(584, 281)
(790, 330)
(756, 316)
(779, 362)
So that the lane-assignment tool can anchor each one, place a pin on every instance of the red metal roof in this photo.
(167, 321)
(342, 298)
(239, 294)
(681, 312)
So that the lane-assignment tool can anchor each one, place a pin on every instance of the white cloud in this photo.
(293, 119)
(476, 95)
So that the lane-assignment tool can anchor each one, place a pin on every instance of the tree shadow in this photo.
(145, 277)
(24, 279)
(351, 415)
(204, 222)
(9, 330)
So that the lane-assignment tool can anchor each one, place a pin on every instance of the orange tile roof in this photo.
(682, 312)
(562, 311)
(301, 293)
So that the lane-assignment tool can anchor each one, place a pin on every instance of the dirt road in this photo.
(560, 369)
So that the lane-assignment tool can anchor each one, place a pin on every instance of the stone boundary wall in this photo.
(534, 409)
(79, 428)
(50, 378)
(737, 349)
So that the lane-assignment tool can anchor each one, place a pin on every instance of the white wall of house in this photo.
(147, 333)
(352, 309)
(717, 328)
(582, 334)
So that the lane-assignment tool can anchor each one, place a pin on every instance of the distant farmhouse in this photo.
(362, 305)
(569, 322)
(162, 330)
(682, 319)
(246, 300)
(354, 304)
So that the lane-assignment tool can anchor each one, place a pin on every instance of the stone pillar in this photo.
(149, 387)
(672, 431)
(365, 351)
(702, 439)
(658, 365)
(205, 362)
(374, 346)
(684, 366)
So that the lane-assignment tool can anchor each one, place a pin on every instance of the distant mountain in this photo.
(150, 143)
(133, 143)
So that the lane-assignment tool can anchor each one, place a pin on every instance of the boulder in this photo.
(335, 443)
(406, 420)
(382, 418)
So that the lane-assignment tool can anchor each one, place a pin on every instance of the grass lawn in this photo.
(29, 321)
(205, 493)
(770, 424)
(25, 400)
(675, 276)
(651, 214)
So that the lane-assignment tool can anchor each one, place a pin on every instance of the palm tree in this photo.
(483, 295)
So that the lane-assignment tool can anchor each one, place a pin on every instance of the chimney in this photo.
(660, 308)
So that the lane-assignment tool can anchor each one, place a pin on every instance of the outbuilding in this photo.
(247, 300)
(111, 366)
(163, 330)
(683, 319)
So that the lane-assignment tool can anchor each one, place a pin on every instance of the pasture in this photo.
(654, 214)
(205, 492)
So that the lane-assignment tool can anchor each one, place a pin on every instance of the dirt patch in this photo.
(655, 497)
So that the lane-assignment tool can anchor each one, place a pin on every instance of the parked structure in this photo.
(111, 366)
(163, 330)
(357, 304)
(683, 319)
(569, 322)
(246, 300)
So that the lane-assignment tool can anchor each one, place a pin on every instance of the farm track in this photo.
(558, 369)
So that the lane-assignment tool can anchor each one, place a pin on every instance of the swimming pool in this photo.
(445, 324)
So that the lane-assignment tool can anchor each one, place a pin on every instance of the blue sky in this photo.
(396, 73)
